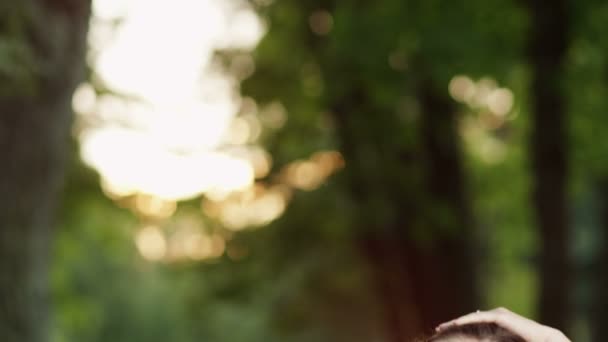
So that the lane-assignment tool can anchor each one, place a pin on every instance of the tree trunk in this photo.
(598, 305)
(378, 234)
(446, 283)
(421, 262)
(48, 41)
(547, 50)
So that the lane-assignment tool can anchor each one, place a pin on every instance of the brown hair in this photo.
(481, 331)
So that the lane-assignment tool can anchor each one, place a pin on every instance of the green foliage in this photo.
(302, 278)
(103, 291)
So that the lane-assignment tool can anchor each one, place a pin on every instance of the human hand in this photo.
(528, 329)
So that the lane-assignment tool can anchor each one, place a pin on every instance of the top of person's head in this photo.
(482, 332)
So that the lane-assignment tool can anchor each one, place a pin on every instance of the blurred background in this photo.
(320, 170)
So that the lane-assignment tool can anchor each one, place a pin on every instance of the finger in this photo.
(475, 317)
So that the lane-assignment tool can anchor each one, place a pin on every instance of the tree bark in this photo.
(35, 118)
(598, 305)
(547, 51)
(421, 264)
(445, 271)
(379, 215)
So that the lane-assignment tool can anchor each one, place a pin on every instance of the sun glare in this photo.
(168, 125)
(159, 129)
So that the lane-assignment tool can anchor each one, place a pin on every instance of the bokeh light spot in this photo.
(151, 243)
(500, 101)
(462, 88)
